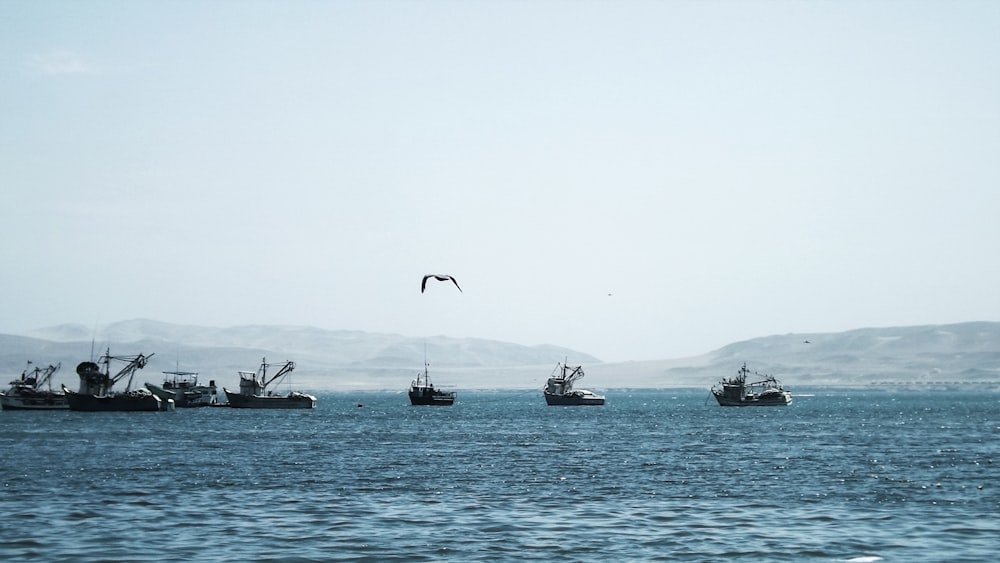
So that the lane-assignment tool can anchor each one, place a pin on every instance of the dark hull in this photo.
(737, 392)
(424, 396)
(433, 401)
(114, 403)
(770, 402)
(294, 401)
(554, 400)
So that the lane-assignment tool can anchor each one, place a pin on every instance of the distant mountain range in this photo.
(918, 355)
(348, 360)
(325, 359)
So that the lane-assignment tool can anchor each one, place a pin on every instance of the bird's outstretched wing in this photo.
(438, 277)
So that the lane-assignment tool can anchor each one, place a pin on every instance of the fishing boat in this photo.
(96, 393)
(254, 394)
(422, 392)
(33, 391)
(559, 390)
(183, 388)
(736, 392)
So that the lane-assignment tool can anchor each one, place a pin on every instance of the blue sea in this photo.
(660, 475)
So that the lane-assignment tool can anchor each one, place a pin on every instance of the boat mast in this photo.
(107, 364)
(134, 363)
(425, 367)
(284, 371)
(47, 377)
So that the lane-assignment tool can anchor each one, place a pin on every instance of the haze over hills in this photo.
(921, 355)
(332, 347)
(335, 360)
(325, 359)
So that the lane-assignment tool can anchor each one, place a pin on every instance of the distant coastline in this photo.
(919, 357)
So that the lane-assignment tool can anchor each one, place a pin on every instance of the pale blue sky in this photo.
(726, 170)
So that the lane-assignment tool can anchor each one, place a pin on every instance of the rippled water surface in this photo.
(653, 475)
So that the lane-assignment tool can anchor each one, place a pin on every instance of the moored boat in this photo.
(737, 392)
(254, 394)
(422, 392)
(33, 391)
(183, 388)
(96, 393)
(559, 390)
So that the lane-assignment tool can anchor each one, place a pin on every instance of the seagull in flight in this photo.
(438, 277)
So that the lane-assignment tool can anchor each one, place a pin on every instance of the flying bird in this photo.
(438, 277)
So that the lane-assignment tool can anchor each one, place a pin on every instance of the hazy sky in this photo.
(724, 170)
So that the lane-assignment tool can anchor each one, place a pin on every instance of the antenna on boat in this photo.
(425, 365)
(93, 339)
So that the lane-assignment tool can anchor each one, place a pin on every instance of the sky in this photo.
(633, 180)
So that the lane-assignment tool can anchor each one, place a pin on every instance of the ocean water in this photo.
(663, 475)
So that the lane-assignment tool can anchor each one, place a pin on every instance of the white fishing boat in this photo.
(33, 391)
(559, 389)
(183, 388)
(255, 395)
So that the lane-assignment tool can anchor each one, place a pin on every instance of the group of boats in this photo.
(33, 389)
(181, 389)
(557, 391)
(737, 391)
